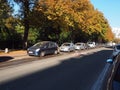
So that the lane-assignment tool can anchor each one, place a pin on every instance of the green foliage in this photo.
(5, 26)
(8, 35)
(33, 35)
(64, 37)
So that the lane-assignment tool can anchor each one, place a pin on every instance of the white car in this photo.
(80, 46)
(91, 44)
(67, 47)
(116, 50)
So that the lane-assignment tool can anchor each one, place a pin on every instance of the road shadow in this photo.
(70, 74)
(5, 58)
(111, 47)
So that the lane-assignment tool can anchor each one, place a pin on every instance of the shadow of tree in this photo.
(5, 58)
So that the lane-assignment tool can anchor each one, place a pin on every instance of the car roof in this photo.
(45, 42)
(68, 43)
(79, 43)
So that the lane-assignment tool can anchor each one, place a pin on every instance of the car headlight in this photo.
(37, 49)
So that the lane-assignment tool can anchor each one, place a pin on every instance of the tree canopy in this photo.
(73, 15)
(56, 20)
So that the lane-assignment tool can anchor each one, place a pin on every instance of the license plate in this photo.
(30, 52)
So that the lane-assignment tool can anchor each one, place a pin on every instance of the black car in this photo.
(109, 78)
(43, 48)
(114, 79)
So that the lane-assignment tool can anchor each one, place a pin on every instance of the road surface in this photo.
(67, 72)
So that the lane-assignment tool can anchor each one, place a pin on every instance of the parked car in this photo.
(43, 48)
(67, 47)
(80, 46)
(116, 50)
(91, 44)
(110, 44)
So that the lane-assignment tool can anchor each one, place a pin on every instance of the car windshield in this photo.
(38, 44)
(66, 44)
(78, 44)
(90, 43)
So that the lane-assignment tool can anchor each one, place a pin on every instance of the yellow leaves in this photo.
(9, 22)
(109, 35)
(49, 17)
(78, 14)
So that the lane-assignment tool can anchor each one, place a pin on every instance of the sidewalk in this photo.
(21, 54)
(14, 54)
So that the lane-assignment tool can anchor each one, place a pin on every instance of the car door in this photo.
(50, 48)
(53, 47)
(47, 49)
(44, 48)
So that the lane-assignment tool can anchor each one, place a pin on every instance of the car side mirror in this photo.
(109, 60)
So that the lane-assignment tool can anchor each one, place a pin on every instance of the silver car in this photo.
(91, 44)
(67, 47)
(80, 46)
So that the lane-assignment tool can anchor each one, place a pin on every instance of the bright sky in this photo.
(110, 9)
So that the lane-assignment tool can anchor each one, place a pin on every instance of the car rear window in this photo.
(78, 44)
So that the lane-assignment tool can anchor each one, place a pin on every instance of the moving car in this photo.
(43, 48)
(116, 50)
(67, 47)
(80, 46)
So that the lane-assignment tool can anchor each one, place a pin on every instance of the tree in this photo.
(5, 19)
(5, 12)
(75, 19)
(7, 25)
(25, 6)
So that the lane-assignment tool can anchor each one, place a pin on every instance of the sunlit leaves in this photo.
(75, 15)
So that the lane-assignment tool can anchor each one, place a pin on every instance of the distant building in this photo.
(116, 32)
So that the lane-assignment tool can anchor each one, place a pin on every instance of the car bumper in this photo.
(77, 48)
(33, 53)
(64, 50)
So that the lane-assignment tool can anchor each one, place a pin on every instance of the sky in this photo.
(110, 9)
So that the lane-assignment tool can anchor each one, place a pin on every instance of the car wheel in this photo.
(42, 54)
(69, 50)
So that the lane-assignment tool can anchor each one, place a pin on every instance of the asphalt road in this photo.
(75, 73)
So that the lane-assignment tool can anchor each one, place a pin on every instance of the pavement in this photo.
(14, 55)
(21, 54)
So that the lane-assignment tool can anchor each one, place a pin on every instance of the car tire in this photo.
(42, 54)
(69, 50)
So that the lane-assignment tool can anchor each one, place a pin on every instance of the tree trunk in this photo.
(26, 23)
